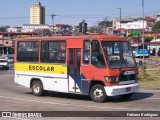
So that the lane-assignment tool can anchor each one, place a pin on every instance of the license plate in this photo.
(128, 89)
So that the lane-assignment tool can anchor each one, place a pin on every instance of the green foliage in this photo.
(156, 27)
(3, 28)
(105, 23)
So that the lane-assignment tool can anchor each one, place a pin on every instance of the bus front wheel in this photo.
(98, 93)
(37, 88)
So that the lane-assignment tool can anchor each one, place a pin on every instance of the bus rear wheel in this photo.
(98, 93)
(37, 88)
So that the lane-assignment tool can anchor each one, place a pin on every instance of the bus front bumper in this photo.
(121, 90)
(141, 55)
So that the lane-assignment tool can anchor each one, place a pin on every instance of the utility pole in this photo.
(120, 18)
(143, 40)
(52, 16)
(3, 47)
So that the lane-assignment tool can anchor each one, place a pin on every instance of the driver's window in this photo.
(97, 58)
(113, 50)
(116, 51)
(86, 52)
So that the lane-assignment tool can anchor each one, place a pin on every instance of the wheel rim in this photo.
(98, 93)
(36, 88)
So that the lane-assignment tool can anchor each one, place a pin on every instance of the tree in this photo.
(43, 32)
(105, 23)
(4, 28)
(156, 27)
(95, 29)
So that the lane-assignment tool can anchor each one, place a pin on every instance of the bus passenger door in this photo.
(74, 78)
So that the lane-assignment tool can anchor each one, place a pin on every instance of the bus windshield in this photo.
(141, 47)
(118, 54)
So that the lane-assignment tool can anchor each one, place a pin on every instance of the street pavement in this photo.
(17, 98)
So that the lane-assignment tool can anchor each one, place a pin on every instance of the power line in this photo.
(14, 17)
(89, 16)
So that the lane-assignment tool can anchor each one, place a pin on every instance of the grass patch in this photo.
(150, 76)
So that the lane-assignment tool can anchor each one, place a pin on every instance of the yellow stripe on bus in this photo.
(43, 68)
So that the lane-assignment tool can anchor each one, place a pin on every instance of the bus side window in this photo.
(86, 52)
(97, 58)
(27, 51)
(53, 52)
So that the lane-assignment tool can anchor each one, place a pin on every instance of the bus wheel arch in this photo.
(37, 87)
(97, 91)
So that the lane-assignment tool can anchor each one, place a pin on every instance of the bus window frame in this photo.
(101, 50)
(17, 47)
(59, 41)
(89, 61)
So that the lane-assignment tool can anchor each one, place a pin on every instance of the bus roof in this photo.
(136, 44)
(90, 37)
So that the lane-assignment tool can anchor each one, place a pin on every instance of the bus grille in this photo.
(123, 77)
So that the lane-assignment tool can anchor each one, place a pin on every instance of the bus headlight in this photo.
(111, 78)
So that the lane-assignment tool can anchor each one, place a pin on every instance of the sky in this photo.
(72, 12)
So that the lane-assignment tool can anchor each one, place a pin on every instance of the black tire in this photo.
(126, 96)
(97, 93)
(37, 88)
(7, 68)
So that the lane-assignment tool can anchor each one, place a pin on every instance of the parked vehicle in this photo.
(138, 50)
(4, 64)
(10, 59)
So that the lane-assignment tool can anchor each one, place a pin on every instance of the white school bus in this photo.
(95, 65)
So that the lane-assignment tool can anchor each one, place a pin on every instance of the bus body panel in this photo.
(122, 89)
(53, 77)
(22, 79)
(74, 43)
(73, 76)
(138, 50)
(86, 77)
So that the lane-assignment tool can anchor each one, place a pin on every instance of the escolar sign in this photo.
(41, 68)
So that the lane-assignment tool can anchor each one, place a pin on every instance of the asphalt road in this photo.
(16, 98)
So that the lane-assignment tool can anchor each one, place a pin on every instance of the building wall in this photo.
(6, 43)
(131, 25)
(43, 15)
(37, 14)
(33, 27)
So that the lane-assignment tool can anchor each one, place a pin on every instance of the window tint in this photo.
(53, 52)
(97, 56)
(86, 52)
(134, 48)
(141, 47)
(118, 54)
(27, 51)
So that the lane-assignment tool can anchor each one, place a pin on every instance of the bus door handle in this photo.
(74, 87)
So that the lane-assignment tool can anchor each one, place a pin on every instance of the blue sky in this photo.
(74, 11)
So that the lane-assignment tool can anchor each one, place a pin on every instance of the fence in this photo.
(152, 61)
